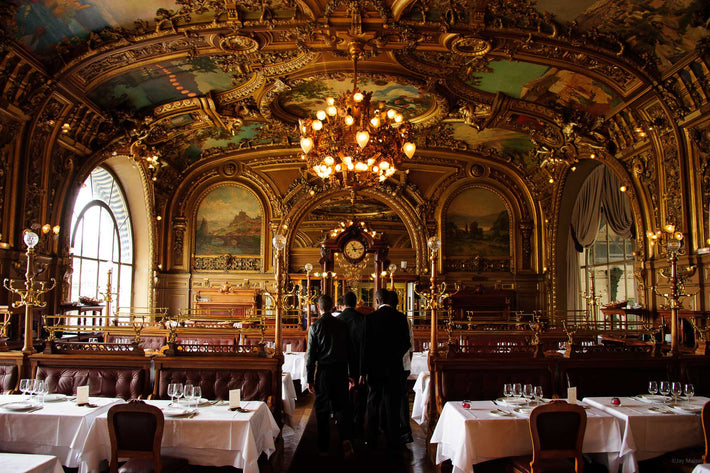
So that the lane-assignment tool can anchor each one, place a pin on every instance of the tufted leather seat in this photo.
(8, 377)
(297, 343)
(486, 382)
(126, 383)
(216, 383)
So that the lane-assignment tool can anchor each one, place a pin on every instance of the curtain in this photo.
(599, 194)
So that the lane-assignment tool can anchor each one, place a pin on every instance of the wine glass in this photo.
(42, 391)
(528, 392)
(677, 390)
(197, 395)
(507, 390)
(178, 392)
(665, 388)
(172, 391)
(653, 387)
(35, 385)
(517, 390)
(25, 385)
(538, 394)
(189, 393)
(689, 391)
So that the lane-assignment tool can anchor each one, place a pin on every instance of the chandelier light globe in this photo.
(308, 267)
(31, 239)
(434, 243)
(352, 144)
(279, 242)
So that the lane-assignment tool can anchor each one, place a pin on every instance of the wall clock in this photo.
(354, 251)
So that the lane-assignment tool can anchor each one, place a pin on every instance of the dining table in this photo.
(420, 364)
(490, 430)
(653, 425)
(288, 394)
(295, 364)
(209, 435)
(421, 398)
(60, 427)
(29, 463)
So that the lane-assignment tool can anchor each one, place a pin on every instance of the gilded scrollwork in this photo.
(226, 263)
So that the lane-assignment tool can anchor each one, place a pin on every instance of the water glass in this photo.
(538, 394)
(507, 390)
(517, 390)
(528, 392)
(25, 385)
(665, 388)
(676, 390)
(653, 387)
(689, 392)
(189, 392)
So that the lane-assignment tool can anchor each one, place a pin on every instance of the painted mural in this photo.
(477, 224)
(546, 85)
(41, 24)
(667, 29)
(305, 99)
(156, 84)
(229, 221)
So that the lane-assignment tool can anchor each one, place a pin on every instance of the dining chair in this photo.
(136, 432)
(705, 416)
(557, 431)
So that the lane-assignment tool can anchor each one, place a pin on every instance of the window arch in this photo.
(102, 240)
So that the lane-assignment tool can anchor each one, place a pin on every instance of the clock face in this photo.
(354, 250)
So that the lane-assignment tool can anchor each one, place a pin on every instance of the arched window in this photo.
(102, 240)
(600, 246)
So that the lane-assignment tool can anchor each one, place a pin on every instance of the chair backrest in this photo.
(557, 431)
(136, 431)
(706, 430)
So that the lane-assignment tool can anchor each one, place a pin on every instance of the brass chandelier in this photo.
(351, 144)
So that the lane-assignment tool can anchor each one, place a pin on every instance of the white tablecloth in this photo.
(419, 364)
(288, 394)
(703, 468)
(475, 435)
(421, 398)
(295, 363)
(649, 434)
(215, 437)
(59, 429)
(27, 463)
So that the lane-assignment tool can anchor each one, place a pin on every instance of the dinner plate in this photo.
(687, 409)
(659, 410)
(55, 397)
(513, 401)
(652, 398)
(501, 413)
(18, 406)
(177, 411)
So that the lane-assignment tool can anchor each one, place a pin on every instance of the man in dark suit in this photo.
(327, 366)
(405, 428)
(356, 328)
(386, 342)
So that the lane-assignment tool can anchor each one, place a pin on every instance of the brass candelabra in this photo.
(307, 297)
(108, 294)
(30, 295)
(592, 299)
(672, 242)
(436, 295)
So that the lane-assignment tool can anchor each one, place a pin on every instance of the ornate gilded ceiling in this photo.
(521, 83)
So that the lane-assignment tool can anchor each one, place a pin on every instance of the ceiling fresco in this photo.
(41, 24)
(506, 142)
(155, 84)
(664, 29)
(305, 99)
